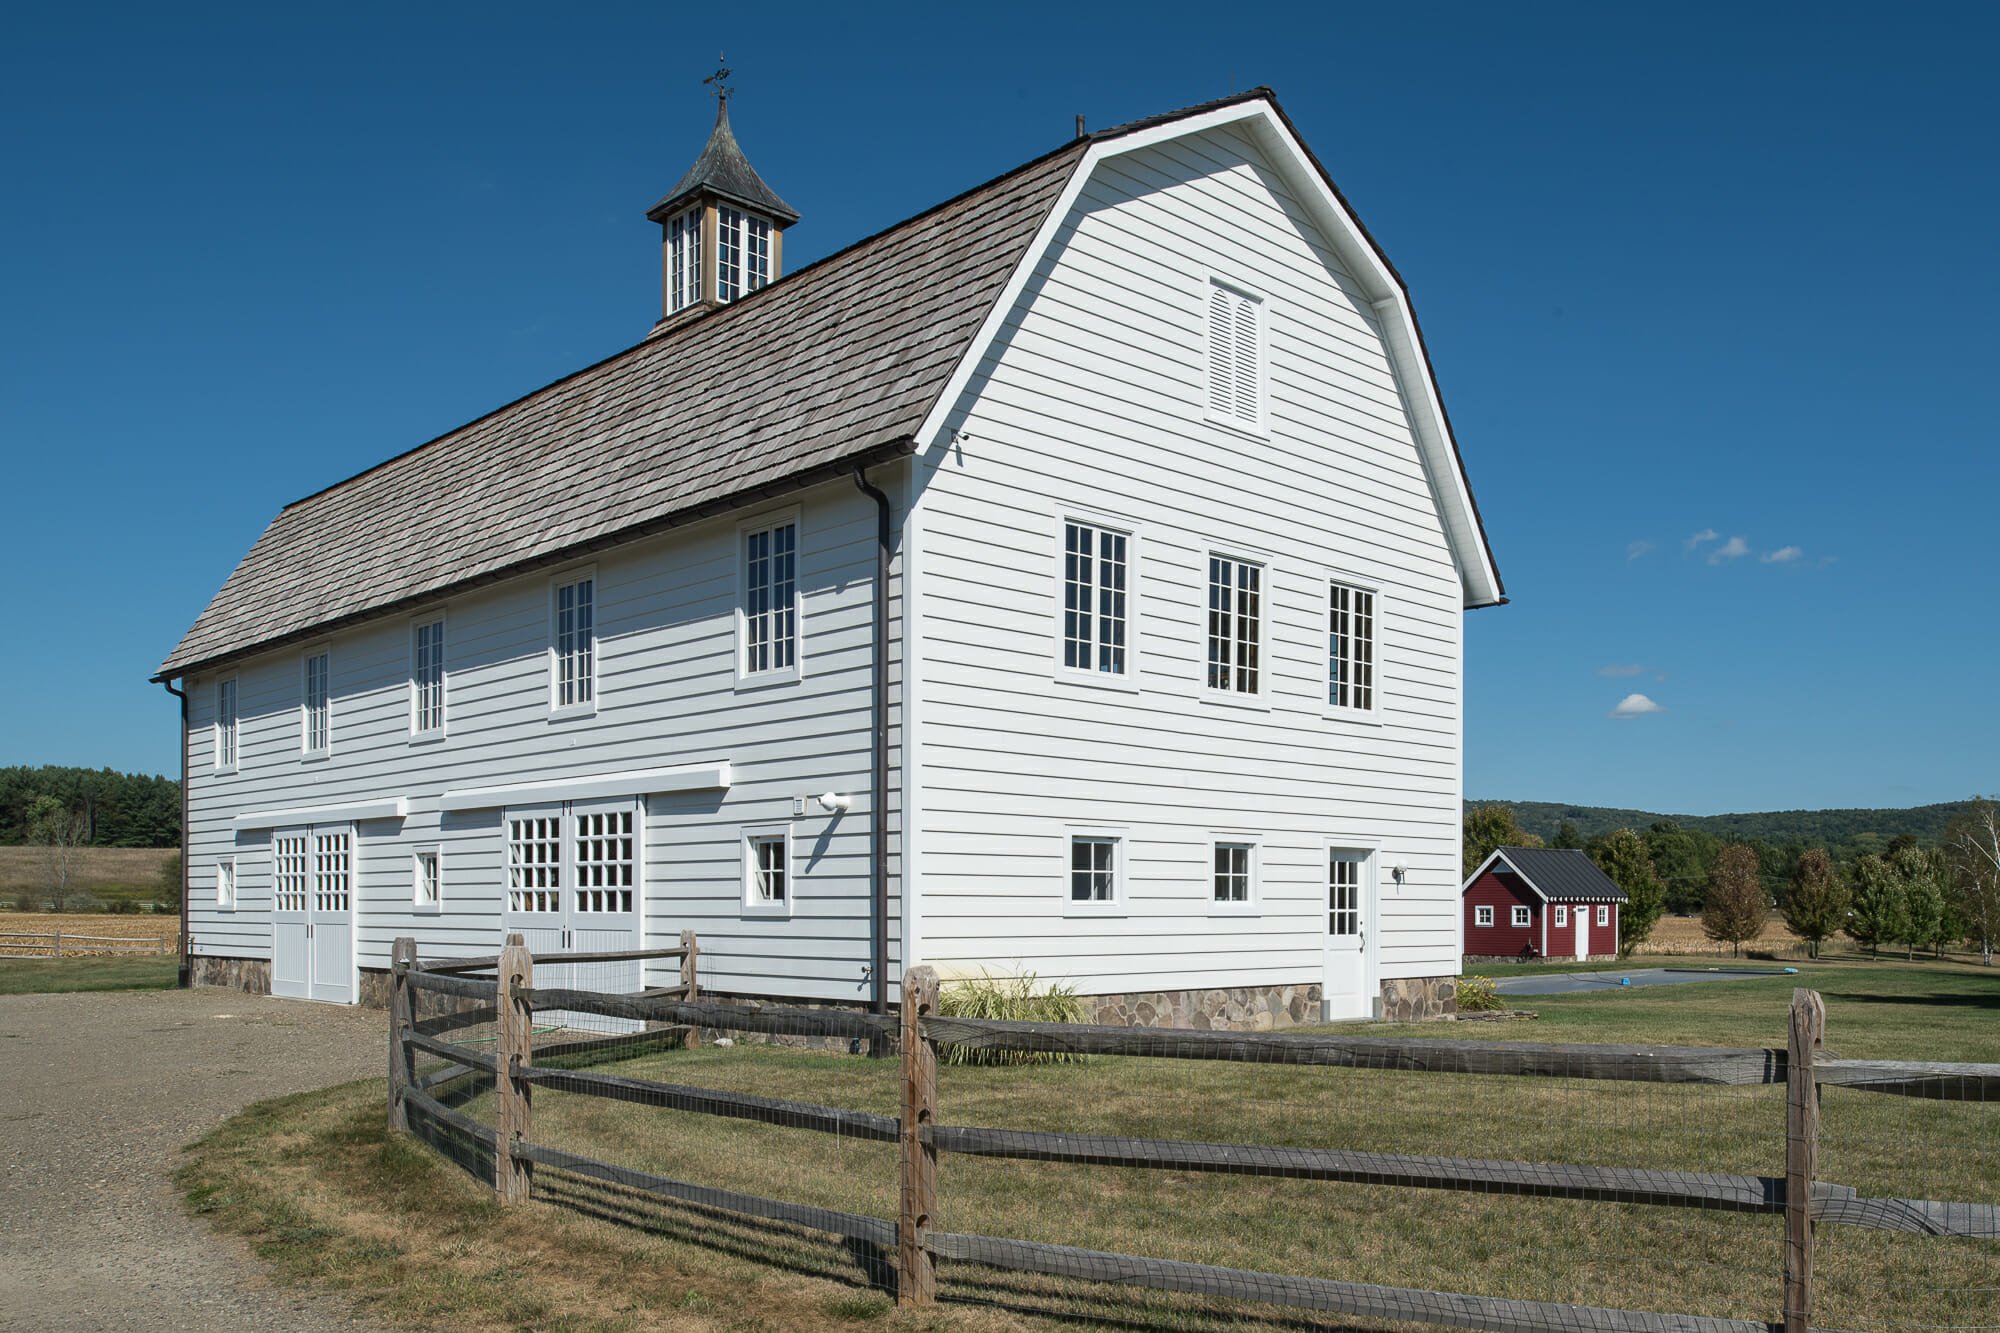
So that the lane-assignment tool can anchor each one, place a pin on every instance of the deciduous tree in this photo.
(1816, 905)
(1490, 826)
(1736, 907)
(1926, 910)
(1621, 854)
(1973, 845)
(1877, 912)
(58, 831)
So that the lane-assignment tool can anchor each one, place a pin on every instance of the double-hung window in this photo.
(316, 715)
(1482, 915)
(1603, 914)
(1095, 869)
(573, 656)
(767, 871)
(225, 723)
(1350, 648)
(1095, 603)
(1235, 625)
(770, 609)
(1234, 871)
(684, 260)
(1235, 357)
(427, 678)
(1562, 915)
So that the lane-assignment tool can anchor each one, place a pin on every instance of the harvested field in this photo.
(1682, 935)
(163, 928)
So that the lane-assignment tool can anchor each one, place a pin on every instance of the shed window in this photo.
(770, 599)
(1482, 915)
(575, 664)
(1234, 356)
(315, 721)
(427, 678)
(1094, 598)
(1235, 625)
(1603, 914)
(1562, 915)
(1520, 915)
(225, 723)
(1350, 648)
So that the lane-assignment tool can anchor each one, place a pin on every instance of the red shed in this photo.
(1540, 902)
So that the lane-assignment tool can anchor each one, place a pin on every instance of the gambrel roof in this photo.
(843, 363)
(1557, 874)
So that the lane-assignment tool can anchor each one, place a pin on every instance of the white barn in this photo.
(1095, 543)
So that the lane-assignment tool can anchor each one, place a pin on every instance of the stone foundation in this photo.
(1238, 1009)
(1413, 999)
(252, 976)
(375, 988)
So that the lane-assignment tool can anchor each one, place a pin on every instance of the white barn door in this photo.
(291, 948)
(1349, 986)
(331, 927)
(574, 885)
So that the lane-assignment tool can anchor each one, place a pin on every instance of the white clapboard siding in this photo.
(666, 695)
(1093, 401)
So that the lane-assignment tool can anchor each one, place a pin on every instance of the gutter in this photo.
(186, 978)
(878, 726)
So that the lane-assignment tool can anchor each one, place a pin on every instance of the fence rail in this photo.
(1804, 1201)
(68, 944)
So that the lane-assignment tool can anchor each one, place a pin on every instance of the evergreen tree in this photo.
(1878, 906)
(1569, 839)
(1621, 854)
(1736, 906)
(1816, 904)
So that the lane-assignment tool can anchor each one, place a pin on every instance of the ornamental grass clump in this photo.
(1478, 995)
(1015, 999)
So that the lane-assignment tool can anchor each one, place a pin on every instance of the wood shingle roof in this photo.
(832, 366)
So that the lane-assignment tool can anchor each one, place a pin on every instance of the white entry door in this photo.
(1349, 986)
(312, 914)
(291, 931)
(574, 885)
(1582, 930)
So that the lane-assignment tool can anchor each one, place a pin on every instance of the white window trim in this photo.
(1128, 679)
(556, 584)
(791, 675)
(1482, 916)
(417, 855)
(305, 704)
(753, 906)
(1246, 555)
(1562, 916)
(1260, 428)
(437, 733)
(1116, 904)
(215, 728)
(1254, 904)
(227, 887)
(1604, 914)
(1519, 917)
(1371, 715)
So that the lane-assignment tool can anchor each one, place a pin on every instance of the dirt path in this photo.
(97, 1094)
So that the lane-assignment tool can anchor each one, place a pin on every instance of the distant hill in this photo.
(1846, 833)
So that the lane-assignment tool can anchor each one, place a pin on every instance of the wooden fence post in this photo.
(916, 1276)
(689, 977)
(401, 1016)
(58, 952)
(1801, 1154)
(516, 1052)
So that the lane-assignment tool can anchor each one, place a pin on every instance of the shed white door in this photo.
(291, 938)
(574, 885)
(1582, 931)
(1349, 986)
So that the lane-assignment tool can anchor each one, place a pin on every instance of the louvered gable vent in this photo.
(1233, 356)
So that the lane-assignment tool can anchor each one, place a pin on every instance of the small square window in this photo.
(1603, 915)
(1234, 866)
(427, 879)
(767, 871)
(1482, 916)
(225, 884)
(1520, 915)
(1093, 868)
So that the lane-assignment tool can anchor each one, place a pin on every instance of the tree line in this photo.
(88, 807)
(1905, 895)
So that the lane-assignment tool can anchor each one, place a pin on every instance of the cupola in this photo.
(721, 228)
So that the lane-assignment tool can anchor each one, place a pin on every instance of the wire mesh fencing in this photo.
(1093, 1172)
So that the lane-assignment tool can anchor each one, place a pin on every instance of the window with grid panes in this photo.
(575, 644)
(427, 887)
(1235, 625)
(333, 886)
(1235, 364)
(1603, 916)
(1232, 871)
(1350, 648)
(742, 253)
(1093, 869)
(225, 723)
(770, 599)
(1482, 916)
(1343, 895)
(769, 875)
(534, 863)
(1562, 916)
(225, 882)
(1519, 916)
(316, 720)
(427, 677)
(288, 873)
(606, 861)
(684, 260)
(1094, 575)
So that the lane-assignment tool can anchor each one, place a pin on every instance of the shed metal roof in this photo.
(1562, 875)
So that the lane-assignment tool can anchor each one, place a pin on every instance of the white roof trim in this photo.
(640, 782)
(1500, 854)
(352, 812)
(1478, 579)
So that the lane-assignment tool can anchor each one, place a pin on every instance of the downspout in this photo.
(187, 944)
(878, 724)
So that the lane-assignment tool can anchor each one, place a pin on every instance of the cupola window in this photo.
(743, 253)
(684, 260)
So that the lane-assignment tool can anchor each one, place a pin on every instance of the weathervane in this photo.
(718, 82)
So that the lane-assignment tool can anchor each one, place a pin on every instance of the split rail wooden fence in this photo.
(1804, 1201)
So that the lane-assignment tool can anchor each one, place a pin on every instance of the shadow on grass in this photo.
(1928, 1001)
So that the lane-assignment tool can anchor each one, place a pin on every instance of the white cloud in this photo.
(1729, 550)
(1784, 555)
(1622, 669)
(1636, 549)
(1635, 705)
(1705, 535)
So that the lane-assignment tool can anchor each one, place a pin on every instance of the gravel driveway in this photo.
(97, 1094)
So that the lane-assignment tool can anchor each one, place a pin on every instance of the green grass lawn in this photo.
(1671, 1260)
(33, 976)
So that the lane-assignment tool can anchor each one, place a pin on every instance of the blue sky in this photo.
(1684, 270)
